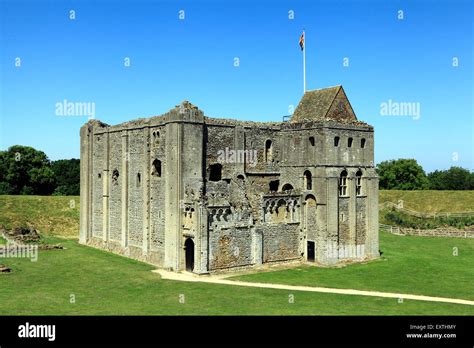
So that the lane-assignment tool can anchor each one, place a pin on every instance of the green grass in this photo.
(108, 284)
(51, 215)
(412, 265)
(2, 241)
(430, 201)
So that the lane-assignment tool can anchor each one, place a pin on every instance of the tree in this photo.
(455, 178)
(67, 174)
(24, 170)
(401, 174)
(436, 180)
(5, 187)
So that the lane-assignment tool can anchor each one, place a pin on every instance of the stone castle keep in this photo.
(185, 191)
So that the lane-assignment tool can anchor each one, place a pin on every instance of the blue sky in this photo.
(407, 60)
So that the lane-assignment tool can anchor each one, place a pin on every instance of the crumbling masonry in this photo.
(188, 192)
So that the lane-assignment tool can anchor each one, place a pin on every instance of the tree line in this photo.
(27, 171)
(407, 174)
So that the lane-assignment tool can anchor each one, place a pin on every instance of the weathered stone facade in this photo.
(185, 191)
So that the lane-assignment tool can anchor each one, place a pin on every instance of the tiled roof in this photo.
(316, 104)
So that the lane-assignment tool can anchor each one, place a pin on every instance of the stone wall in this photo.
(230, 247)
(115, 183)
(344, 221)
(150, 186)
(136, 176)
(281, 242)
(157, 192)
(439, 232)
(361, 220)
(97, 179)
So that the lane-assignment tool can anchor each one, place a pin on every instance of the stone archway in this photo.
(189, 254)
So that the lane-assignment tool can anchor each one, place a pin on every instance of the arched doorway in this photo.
(189, 254)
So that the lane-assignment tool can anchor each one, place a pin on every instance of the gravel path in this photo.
(220, 279)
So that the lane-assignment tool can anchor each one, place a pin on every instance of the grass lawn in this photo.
(107, 284)
(412, 265)
(2, 240)
(51, 215)
(430, 201)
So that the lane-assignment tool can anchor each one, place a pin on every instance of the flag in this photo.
(302, 41)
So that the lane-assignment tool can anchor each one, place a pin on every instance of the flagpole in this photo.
(304, 62)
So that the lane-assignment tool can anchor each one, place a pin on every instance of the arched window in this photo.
(268, 151)
(349, 142)
(308, 183)
(343, 184)
(311, 141)
(287, 187)
(215, 172)
(156, 137)
(362, 143)
(336, 141)
(281, 210)
(359, 183)
(156, 170)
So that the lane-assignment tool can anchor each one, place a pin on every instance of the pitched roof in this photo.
(317, 104)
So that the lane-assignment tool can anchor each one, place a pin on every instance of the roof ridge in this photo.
(320, 89)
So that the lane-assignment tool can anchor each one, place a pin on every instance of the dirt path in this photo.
(220, 279)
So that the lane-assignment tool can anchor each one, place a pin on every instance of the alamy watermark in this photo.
(68, 108)
(393, 108)
(37, 331)
(13, 250)
(237, 156)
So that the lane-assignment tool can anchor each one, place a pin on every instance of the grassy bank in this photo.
(398, 218)
(51, 215)
(430, 201)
